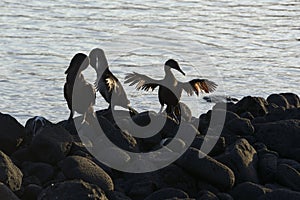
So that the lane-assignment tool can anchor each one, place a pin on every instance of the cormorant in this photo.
(107, 84)
(79, 94)
(170, 89)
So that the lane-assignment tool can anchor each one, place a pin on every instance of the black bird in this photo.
(170, 89)
(79, 94)
(107, 84)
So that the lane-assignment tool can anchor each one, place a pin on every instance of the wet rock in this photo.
(280, 194)
(10, 174)
(43, 171)
(182, 180)
(257, 106)
(116, 195)
(242, 159)
(12, 134)
(206, 195)
(51, 145)
(247, 115)
(167, 193)
(267, 166)
(118, 137)
(6, 193)
(292, 163)
(278, 100)
(288, 176)
(293, 99)
(206, 168)
(141, 189)
(248, 191)
(281, 136)
(31, 192)
(76, 167)
(72, 190)
(224, 196)
(218, 148)
(22, 155)
(240, 126)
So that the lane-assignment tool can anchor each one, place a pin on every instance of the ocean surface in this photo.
(247, 47)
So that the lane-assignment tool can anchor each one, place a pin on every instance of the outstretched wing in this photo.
(199, 85)
(142, 82)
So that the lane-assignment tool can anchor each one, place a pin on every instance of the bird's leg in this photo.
(174, 115)
(71, 116)
(161, 109)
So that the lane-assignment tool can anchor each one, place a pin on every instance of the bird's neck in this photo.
(168, 73)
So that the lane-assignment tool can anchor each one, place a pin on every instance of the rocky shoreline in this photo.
(256, 157)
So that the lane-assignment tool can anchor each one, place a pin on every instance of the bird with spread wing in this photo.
(170, 88)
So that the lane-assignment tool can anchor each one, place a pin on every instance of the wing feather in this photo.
(142, 82)
(199, 86)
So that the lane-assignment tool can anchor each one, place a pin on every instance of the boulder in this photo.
(31, 192)
(248, 191)
(72, 190)
(288, 176)
(43, 171)
(167, 193)
(280, 194)
(6, 193)
(182, 180)
(116, 195)
(278, 100)
(281, 136)
(76, 167)
(206, 195)
(224, 196)
(293, 99)
(10, 174)
(51, 145)
(267, 166)
(12, 134)
(240, 126)
(206, 168)
(257, 106)
(242, 159)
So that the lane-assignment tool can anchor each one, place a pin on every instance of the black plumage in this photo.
(170, 88)
(107, 84)
(79, 94)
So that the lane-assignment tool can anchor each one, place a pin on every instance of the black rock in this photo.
(6, 193)
(257, 106)
(206, 168)
(51, 144)
(292, 163)
(31, 192)
(76, 167)
(175, 177)
(116, 195)
(292, 99)
(206, 195)
(167, 193)
(12, 134)
(242, 159)
(218, 148)
(267, 166)
(240, 126)
(140, 189)
(72, 190)
(280, 194)
(43, 171)
(224, 196)
(248, 191)
(10, 174)
(281, 136)
(278, 100)
(288, 176)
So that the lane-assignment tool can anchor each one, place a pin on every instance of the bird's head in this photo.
(97, 59)
(78, 63)
(173, 64)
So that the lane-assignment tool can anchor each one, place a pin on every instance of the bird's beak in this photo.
(180, 70)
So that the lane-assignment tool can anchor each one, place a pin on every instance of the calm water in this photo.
(248, 48)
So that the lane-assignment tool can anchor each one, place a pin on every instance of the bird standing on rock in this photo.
(170, 88)
(79, 94)
(107, 84)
